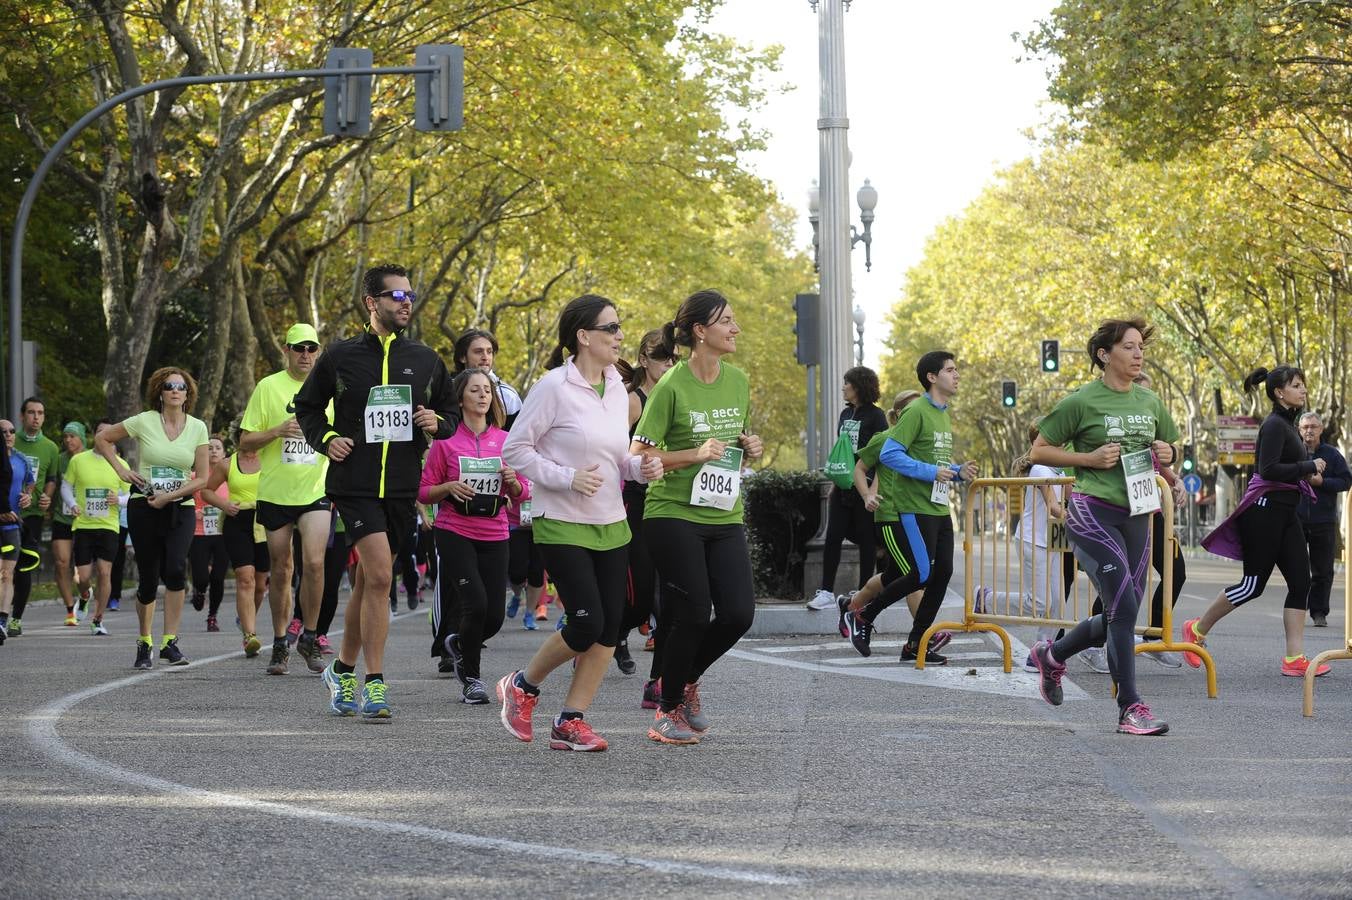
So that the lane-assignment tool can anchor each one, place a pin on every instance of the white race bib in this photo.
(211, 520)
(483, 475)
(389, 414)
(297, 452)
(851, 427)
(165, 479)
(718, 483)
(1142, 494)
(525, 514)
(939, 492)
(96, 502)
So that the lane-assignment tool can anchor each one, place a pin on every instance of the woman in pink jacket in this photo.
(572, 441)
(465, 475)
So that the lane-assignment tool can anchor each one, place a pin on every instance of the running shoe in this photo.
(82, 607)
(199, 600)
(96, 628)
(324, 646)
(457, 658)
(843, 607)
(671, 728)
(861, 631)
(1319, 621)
(1138, 719)
(15, 628)
(114, 604)
(143, 660)
(1297, 667)
(1190, 636)
(823, 599)
(575, 734)
(517, 706)
(1096, 658)
(277, 665)
(940, 640)
(542, 612)
(71, 619)
(690, 707)
(981, 600)
(623, 661)
(528, 621)
(652, 694)
(911, 652)
(172, 655)
(650, 645)
(561, 621)
(212, 624)
(251, 645)
(474, 692)
(445, 665)
(309, 651)
(1049, 673)
(342, 691)
(293, 630)
(1167, 658)
(645, 629)
(413, 600)
(374, 705)
(513, 605)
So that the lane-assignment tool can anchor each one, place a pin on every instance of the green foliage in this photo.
(782, 511)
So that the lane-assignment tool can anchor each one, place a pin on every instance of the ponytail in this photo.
(1254, 379)
(1272, 380)
(580, 313)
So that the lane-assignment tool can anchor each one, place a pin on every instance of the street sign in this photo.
(1236, 440)
(1192, 483)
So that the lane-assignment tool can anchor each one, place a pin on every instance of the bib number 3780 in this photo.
(389, 413)
(718, 483)
(1142, 494)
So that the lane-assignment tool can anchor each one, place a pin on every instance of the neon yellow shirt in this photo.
(292, 473)
(95, 485)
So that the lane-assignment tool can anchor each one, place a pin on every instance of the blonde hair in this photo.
(900, 402)
(1024, 464)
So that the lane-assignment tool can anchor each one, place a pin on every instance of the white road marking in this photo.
(42, 731)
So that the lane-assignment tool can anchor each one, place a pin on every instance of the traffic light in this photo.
(807, 326)
(1189, 459)
(439, 97)
(1051, 356)
(1009, 394)
(347, 98)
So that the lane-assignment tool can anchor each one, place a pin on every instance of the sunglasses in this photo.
(612, 328)
(305, 348)
(174, 386)
(400, 296)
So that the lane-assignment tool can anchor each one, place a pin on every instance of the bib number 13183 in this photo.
(718, 483)
(1142, 494)
(389, 413)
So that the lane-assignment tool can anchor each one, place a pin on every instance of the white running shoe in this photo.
(1096, 658)
(822, 600)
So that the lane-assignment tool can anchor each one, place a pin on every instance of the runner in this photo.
(41, 453)
(207, 558)
(696, 422)
(478, 349)
(72, 442)
(571, 440)
(859, 421)
(1264, 531)
(467, 479)
(389, 395)
(290, 495)
(233, 490)
(525, 566)
(92, 488)
(910, 500)
(16, 481)
(160, 513)
(1117, 431)
(1319, 517)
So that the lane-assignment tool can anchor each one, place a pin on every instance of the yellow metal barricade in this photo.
(997, 559)
(1346, 651)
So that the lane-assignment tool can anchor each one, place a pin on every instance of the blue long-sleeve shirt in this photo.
(895, 457)
(1337, 478)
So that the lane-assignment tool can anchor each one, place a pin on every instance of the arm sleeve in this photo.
(68, 493)
(895, 457)
(535, 419)
(434, 471)
(1272, 440)
(312, 402)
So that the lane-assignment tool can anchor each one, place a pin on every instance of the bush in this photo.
(782, 511)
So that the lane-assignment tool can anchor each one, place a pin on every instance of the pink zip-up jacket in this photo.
(564, 426)
(443, 465)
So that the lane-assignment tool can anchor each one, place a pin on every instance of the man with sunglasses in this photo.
(290, 496)
(390, 396)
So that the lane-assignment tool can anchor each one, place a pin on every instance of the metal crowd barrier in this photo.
(1345, 652)
(994, 558)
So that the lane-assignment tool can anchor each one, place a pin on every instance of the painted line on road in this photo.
(42, 731)
(841, 644)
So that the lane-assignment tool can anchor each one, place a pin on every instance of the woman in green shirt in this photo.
(161, 514)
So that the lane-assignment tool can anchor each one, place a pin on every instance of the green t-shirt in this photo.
(165, 463)
(41, 453)
(683, 412)
(95, 486)
(925, 432)
(590, 537)
(292, 472)
(1096, 415)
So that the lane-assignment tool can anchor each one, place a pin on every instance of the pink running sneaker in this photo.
(1190, 636)
(1138, 719)
(324, 647)
(517, 706)
(293, 632)
(1297, 667)
(575, 734)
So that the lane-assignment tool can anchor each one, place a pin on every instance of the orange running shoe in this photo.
(575, 734)
(1190, 636)
(1297, 667)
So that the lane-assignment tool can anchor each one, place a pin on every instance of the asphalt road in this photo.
(823, 775)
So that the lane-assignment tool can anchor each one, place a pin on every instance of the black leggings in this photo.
(642, 574)
(591, 586)
(405, 567)
(1271, 536)
(470, 594)
(1110, 545)
(847, 519)
(917, 552)
(23, 575)
(525, 565)
(335, 563)
(161, 538)
(705, 573)
(209, 562)
(119, 563)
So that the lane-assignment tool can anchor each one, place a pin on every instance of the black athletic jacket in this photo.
(345, 374)
(1281, 454)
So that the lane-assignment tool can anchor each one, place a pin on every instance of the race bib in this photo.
(939, 492)
(482, 474)
(389, 414)
(211, 520)
(96, 502)
(850, 427)
(297, 452)
(526, 518)
(165, 479)
(718, 483)
(1142, 494)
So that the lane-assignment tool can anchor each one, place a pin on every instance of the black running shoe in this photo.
(142, 656)
(199, 600)
(623, 660)
(910, 652)
(446, 665)
(172, 655)
(861, 631)
(313, 656)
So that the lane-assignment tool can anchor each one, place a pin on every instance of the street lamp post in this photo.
(858, 335)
